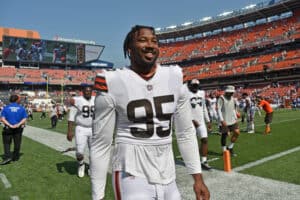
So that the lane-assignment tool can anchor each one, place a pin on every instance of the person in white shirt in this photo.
(212, 107)
(227, 112)
(200, 116)
(141, 103)
(249, 112)
(81, 113)
(53, 116)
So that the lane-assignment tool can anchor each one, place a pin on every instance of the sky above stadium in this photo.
(107, 22)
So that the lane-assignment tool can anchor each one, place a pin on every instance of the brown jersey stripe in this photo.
(100, 79)
(101, 87)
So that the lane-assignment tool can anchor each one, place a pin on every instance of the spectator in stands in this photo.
(227, 112)
(14, 117)
(266, 106)
(200, 116)
(141, 102)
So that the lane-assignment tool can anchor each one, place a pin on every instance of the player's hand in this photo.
(209, 126)
(224, 123)
(69, 136)
(201, 191)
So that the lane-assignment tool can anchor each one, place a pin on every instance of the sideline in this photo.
(222, 185)
(5, 181)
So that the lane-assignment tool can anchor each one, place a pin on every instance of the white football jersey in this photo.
(199, 110)
(212, 103)
(144, 107)
(227, 110)
(143, 113)
(82, 112)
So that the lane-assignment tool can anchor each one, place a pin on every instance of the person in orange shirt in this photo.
(266, 106)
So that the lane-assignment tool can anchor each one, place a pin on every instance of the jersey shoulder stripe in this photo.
(100, 83)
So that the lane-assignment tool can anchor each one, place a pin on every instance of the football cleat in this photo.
(205, 166)
(81, 168)
(6, 161)
(232, 154)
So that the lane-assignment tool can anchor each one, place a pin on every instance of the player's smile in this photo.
(149, 53)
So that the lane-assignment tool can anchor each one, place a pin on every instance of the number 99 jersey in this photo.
(82, 112)
(144, 108)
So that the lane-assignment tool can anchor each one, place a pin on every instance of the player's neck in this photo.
(145, 73)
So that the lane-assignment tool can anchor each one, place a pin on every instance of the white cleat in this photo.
(252, 131)
(81, 168)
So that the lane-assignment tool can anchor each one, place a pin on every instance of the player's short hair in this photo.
(14, 98)
(129, 37)
(86, 87)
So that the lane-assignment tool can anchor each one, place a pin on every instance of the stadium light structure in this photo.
(46, 77)
(249, 6)
(204, 19)
(225, 13)
(171, 27)
(62, 91)
(186, 23)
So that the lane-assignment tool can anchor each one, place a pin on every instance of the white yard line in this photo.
(266, 159)
(278, 122)
(5, 181)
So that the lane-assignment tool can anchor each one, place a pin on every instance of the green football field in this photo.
(43, 173)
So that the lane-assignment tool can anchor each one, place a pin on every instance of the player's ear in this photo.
(129, 53)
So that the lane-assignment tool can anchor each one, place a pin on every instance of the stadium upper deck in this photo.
(257, 45)
(250, 13)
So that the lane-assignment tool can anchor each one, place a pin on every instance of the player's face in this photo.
(87, 93)
(228, 95)
(144, 51)
(194, 88)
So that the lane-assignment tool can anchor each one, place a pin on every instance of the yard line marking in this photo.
(266, 159)
(213, 159)
(14, 198)
(5, 181)
(279, 122)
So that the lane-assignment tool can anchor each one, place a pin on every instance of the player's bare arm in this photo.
(200, 189)
(70, 131)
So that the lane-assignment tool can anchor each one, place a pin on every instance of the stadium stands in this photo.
(249, 49)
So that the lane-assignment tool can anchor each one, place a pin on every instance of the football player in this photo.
(212, 106)
(200, 115)
(81, 114)
(227, 112)
(141, 103)
(249, 110)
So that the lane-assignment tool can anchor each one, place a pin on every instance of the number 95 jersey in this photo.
(82, 112)
(144, 108)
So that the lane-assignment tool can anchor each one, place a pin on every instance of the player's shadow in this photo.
(69, 167)
(213, 153)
